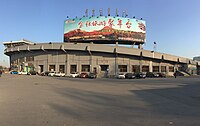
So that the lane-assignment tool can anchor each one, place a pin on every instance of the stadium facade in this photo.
(85, 49)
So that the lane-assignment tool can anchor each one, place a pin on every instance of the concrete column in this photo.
(67, 65)
(140, 46)
(160, 67)
(151, 63)
(116, 60)
(47, 64)
(116, 43)
(19, 65)
(140, 62)
(91, 63)
(57, 64)
(150, 66)
(133, 45)
(116, 64)
(79, 65)
(167, 69)
(10, 60)
(129, 66)
(176, 67)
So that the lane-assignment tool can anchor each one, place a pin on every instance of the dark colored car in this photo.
(45, 73)
(162, 75)
(140, 75)
(130, 75)
(151, 75)
(83, 75)
(13, 72)
(92, 76)
(32, 73)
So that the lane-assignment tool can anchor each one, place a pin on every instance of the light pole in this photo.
(154, 46)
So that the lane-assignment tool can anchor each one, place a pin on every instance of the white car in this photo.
(74, 75)
(51, 74)
(121, 76)
(22, 73)
(59, 74)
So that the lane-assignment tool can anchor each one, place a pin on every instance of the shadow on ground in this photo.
(141, 107)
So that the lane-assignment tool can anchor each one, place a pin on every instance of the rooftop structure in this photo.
(196, 58)
(17, 43)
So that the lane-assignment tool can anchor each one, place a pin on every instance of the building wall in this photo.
(95, 60)
(105, 60)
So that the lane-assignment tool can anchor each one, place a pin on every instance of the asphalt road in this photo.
(53, 101)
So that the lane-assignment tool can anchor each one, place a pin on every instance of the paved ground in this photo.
(48, 101)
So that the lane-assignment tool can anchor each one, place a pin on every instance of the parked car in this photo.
(13, 72)
(59, 74)
(22, 73)
(92, 76)
(130, 75)
(151, 74)
(1, 72)
(44, 73)
(140, 75)
(74, 74)
(83, 75)
(51, 74)
(161, 75)
(121, 76)
(32, 73)
(156, 74)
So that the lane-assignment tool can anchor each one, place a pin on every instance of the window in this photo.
(163, 68)
(104, 67)
(155, 68)
(52, 67)
(122, 68)
(41, 68)
(73, 69)
(145, 68)
(85, 68)
(30, 58)
(62, 68)
(171, 69)
(135, 68)
(21, 60)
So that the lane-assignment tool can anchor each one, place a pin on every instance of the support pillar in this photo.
(67, 65)
(140, 46)
(167, 69)
(160, 67)
(140, 62)
(150, 66)
(116, 64)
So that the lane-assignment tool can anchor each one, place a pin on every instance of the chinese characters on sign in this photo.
(105, 28)
(110, 23)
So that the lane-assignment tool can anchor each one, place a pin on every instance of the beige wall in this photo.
(94, 55)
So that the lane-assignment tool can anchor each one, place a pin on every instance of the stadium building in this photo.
(87, 48)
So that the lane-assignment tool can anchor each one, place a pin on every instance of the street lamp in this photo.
(154, 46)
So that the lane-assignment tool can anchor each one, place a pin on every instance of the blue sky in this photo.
(173, 24)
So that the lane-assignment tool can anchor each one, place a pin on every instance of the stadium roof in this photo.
(17, 43)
